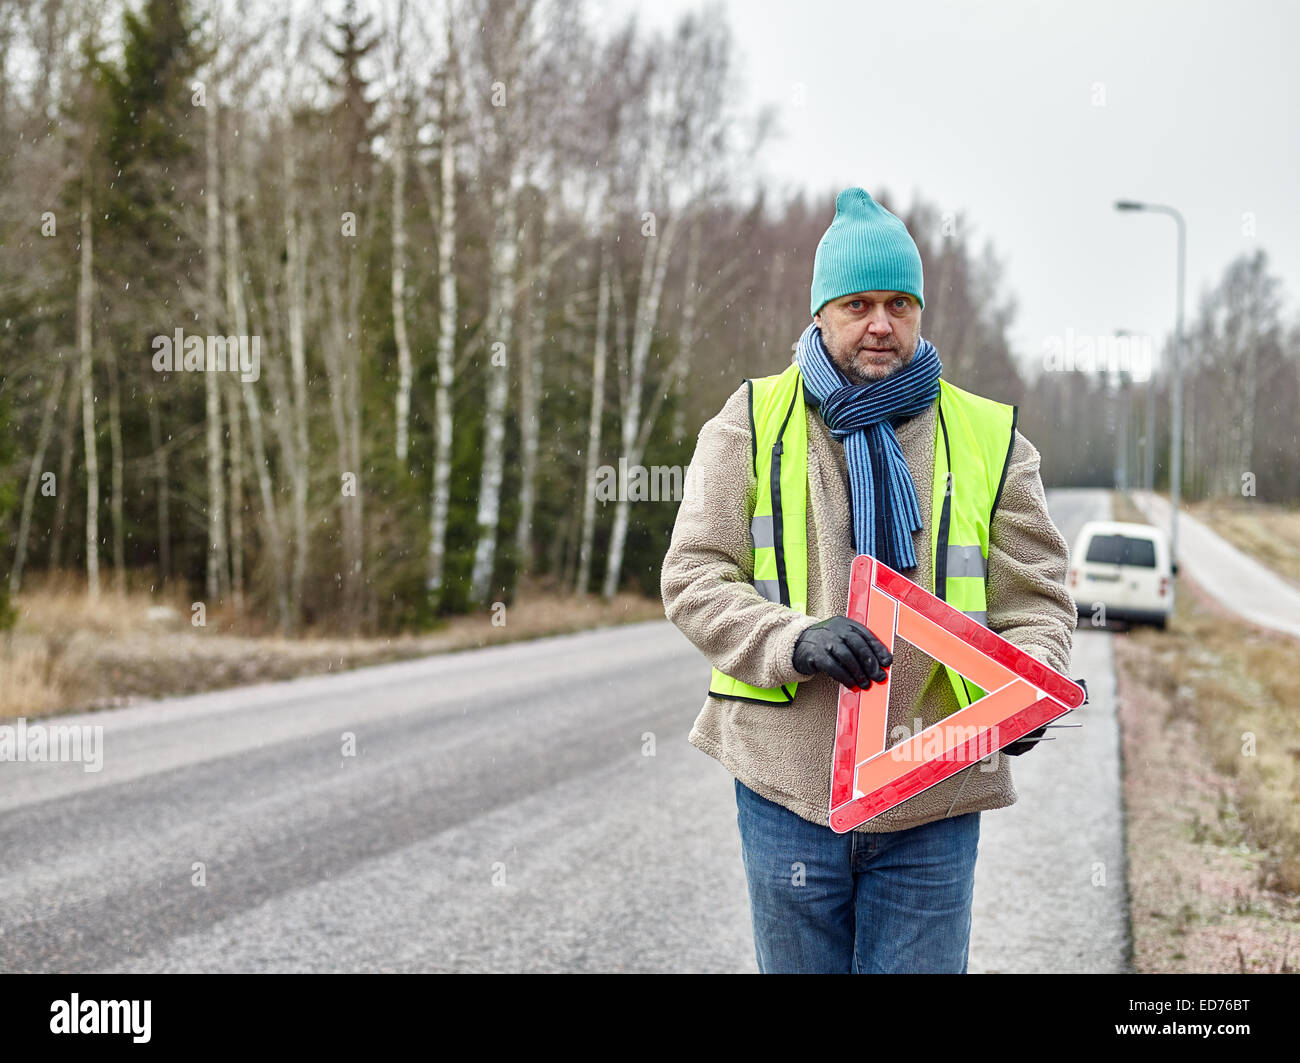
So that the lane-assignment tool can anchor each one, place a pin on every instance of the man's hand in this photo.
(1024, 745)
(845, 650)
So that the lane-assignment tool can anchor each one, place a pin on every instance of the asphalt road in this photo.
(529, 807)
(1051, 889)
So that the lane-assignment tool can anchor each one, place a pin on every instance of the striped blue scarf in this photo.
(861, 416)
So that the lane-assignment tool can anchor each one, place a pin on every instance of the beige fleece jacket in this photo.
(784, 751)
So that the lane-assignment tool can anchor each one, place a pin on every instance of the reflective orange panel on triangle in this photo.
(867, 776)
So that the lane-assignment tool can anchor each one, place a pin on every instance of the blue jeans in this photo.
(893, 902)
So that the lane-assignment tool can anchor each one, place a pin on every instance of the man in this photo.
(860, 447)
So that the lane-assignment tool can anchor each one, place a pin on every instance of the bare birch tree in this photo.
(446, 372)
(117, 472)
(397, 130)
(599, 358)
(217, 558)
(34, 472)
(85, 302)
(504, 120)
(298, 455)
(684, 128)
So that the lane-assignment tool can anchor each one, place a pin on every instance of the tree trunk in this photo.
(1246, 448)
(217, 559)
(238, 311)
(399, 281)
(85, 295)
(162, 491)
(339, 287)
(33, 477)
(686, 339)
(498, 333)
(446, 336)
(354, 514)
(236, 426)
(296, 294)
(532, 321)
(593, 426)
(115, 444)
(67, 444)
(654, 266)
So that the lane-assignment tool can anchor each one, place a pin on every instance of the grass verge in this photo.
(1210, 723)
(1269, 533)
(66, 653)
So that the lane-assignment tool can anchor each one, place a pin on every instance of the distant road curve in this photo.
(1235, 580)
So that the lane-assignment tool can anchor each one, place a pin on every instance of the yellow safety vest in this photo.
(973, 440)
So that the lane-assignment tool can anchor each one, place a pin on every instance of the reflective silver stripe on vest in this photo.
(769, 589)
(966, 561)
(764, 532)
(980, 616)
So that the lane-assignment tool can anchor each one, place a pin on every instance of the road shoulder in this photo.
(1209, 750)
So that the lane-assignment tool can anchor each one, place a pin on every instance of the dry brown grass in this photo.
(1211, 729)
(59, 603)
(1267, 532)
(67, 653)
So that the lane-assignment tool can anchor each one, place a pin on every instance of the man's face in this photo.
(870, 335)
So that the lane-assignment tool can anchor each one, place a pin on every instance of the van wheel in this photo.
(1162, 623)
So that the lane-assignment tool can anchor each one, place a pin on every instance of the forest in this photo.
(343, 318)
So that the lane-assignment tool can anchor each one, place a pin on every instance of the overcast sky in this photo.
(1031, 119)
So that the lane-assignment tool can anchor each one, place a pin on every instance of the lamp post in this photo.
(1176, 440)
(1149, 453)
(1123, 417)
(1144, 436)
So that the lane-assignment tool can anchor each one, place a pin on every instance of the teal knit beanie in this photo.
(866, 249)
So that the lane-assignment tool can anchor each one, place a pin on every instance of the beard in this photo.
(867, 367)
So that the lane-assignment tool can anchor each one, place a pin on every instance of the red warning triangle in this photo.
(868, 777)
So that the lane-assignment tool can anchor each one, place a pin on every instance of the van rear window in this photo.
(1122, 550)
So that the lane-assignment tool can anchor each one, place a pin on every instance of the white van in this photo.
(1124, 568)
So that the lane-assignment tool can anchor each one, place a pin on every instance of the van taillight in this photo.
(1164, 586)
(1074, 577)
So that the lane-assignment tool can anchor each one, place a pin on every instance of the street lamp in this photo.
(1144, 437)
(1176, 441)
(1126, 393)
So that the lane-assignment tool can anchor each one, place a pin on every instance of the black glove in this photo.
(1024, 745)
(845, 650)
